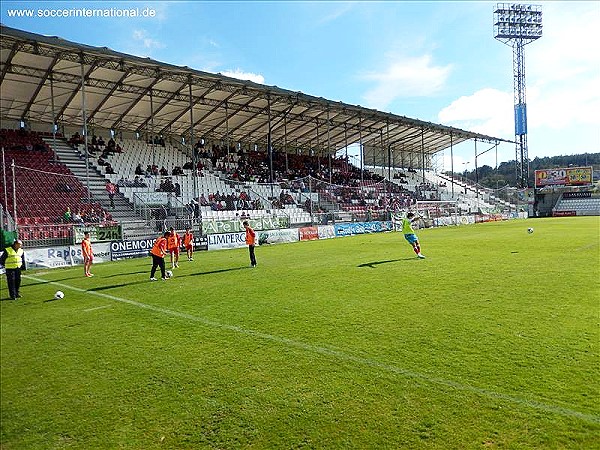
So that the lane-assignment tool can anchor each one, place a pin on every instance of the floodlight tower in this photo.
(518, 25)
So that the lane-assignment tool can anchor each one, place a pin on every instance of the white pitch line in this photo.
(97, 307)
(562, 411)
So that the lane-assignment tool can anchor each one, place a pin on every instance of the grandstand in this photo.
(250, 150)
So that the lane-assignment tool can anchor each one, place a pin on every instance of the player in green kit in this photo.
(409, 233)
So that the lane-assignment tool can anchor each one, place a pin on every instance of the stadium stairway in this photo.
(123, 210)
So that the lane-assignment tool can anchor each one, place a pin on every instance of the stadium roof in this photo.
(41, 78)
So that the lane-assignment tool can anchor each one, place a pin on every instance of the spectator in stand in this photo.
(138, 182)
(67, 215)
(177, 190)
(100, 142)
(109, 169)
(111, 190)
(75, 140)
(203, 201)
(77, 218)
(139, 170)
(164, 172)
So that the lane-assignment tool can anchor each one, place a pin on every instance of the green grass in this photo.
(491, 342)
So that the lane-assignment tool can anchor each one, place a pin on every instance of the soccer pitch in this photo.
(492, 341)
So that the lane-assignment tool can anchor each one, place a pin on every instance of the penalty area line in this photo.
(559, 410)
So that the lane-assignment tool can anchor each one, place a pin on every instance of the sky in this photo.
(433, 61)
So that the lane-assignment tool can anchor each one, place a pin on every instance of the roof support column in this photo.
(476, 177)
(85, 134)
(53, 114)
(452, 163)
(269, 147)
(227, 127)
(346, 145)
(360, 148)
(194, 159)
(285, 142)
(153, 144)
(328, 144)
(423, 154)
(383, 152)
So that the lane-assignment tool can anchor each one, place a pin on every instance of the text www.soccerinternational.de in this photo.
(61, 13)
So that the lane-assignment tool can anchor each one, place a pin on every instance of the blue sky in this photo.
(433, 61)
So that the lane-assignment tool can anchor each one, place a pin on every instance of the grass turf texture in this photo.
(490, 342)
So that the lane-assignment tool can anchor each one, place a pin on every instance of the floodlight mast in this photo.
(518, 25)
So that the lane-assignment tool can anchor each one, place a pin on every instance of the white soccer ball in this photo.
(530, 230)
(59, 294)
(169, 274)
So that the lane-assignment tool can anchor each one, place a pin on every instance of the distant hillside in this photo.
(506, 174)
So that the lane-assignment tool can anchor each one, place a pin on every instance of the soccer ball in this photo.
(59, 294)
(169, 274)
(530, 230)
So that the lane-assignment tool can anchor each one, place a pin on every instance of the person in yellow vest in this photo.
(13, 260)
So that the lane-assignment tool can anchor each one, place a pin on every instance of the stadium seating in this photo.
(45, 188)
(586, 206)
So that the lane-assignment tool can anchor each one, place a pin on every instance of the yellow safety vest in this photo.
(14, 259)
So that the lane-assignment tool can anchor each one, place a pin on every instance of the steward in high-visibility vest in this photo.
(13, 260)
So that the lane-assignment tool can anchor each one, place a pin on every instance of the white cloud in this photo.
(487, 111)
(241, 75)
(562, 87)
(405, 77)
(563, 67)
(339, 10)
(141, 36)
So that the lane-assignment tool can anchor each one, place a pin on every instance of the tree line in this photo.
(505, 174)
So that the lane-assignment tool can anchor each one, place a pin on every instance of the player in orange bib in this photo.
(188, 243)
(173, 243)
(158, 252)
(250, 241)
(88, 255)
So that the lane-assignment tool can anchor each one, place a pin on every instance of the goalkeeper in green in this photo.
(409, 233)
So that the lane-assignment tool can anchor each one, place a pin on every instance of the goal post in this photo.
(438, 213)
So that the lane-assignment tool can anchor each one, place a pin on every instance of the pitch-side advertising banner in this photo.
(278, 236)
(326, 232)
(131, 249)
(349, 229)
(98, 233)
(308, 233)
(229, 240)
(63, 256)
(571, 176)
(235, 225)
